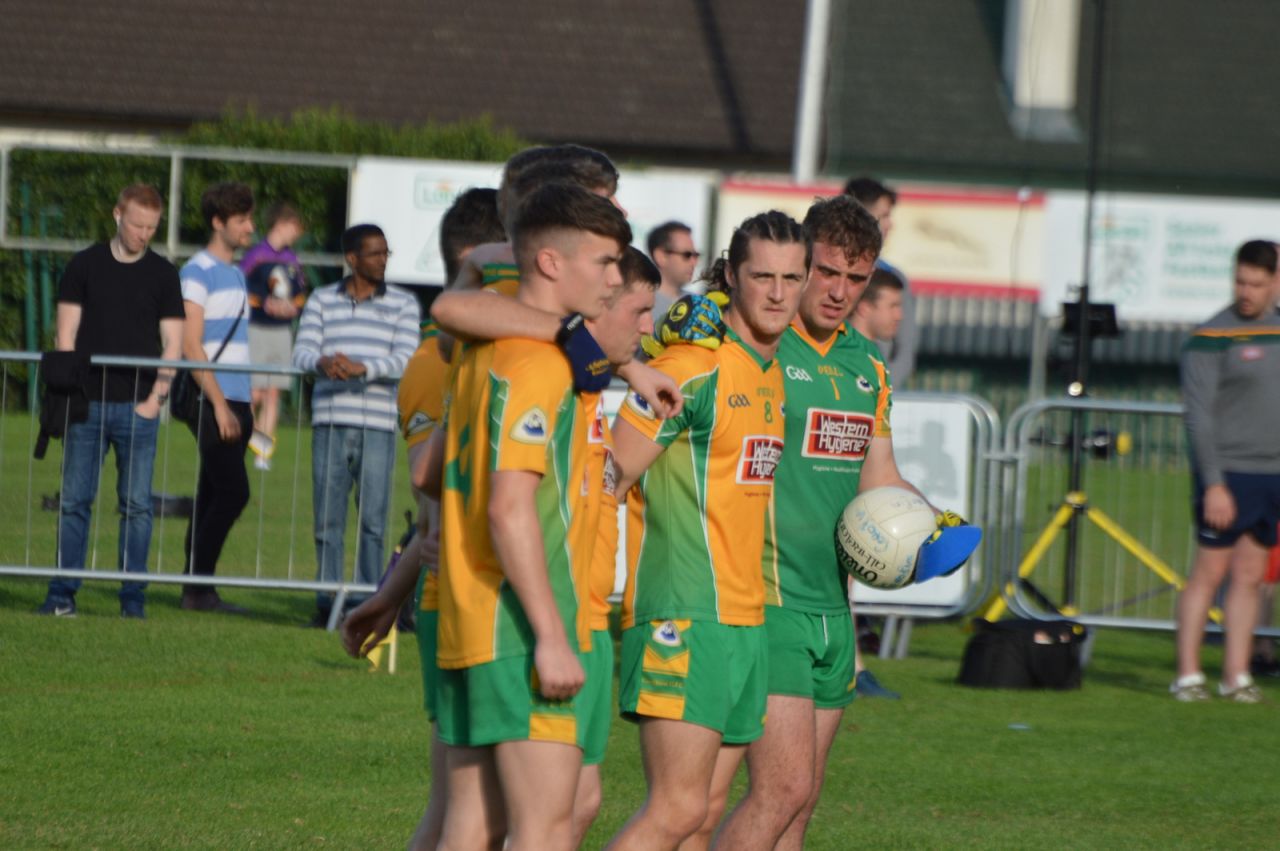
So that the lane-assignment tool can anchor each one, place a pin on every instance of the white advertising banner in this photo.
(949, 240)
(653, 197)
(1156, 257)
(407, 199)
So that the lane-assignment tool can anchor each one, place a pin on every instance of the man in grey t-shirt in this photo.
(1231, 390)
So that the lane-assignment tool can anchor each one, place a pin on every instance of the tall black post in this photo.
(1080, 381)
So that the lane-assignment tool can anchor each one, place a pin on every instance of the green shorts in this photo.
(425, 624)
(497, 702)
(811, 656)
(595, 701)
(697, 671)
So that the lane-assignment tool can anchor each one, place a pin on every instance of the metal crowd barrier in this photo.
(944, 444)
(1134, 532)
(1134, 539)
(271, 545)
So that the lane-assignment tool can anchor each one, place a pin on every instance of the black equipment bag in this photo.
(1023, 653)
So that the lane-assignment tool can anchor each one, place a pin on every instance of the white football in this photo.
(879, 534)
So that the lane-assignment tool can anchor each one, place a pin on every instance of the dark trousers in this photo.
(222, 491)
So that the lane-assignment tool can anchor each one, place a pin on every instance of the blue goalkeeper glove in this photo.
(591, 370)
(948, 548)
(692, 319)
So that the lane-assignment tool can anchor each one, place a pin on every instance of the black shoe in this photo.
(134, 609)
(320, 620)
(1260, 667)
(207, 600)
(58, 607)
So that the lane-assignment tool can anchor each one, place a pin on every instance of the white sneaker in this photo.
(1190, 689)
(1245, 691)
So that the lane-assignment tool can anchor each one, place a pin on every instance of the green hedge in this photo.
(66, 195)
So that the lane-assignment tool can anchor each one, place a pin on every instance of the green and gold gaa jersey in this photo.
(837, 401)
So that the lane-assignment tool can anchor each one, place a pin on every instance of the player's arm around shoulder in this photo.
(640, 435)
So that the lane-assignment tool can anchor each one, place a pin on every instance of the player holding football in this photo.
(694, 656)
(838, 443)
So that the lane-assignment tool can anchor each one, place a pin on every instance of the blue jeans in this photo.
(114, 425)
(343, 457)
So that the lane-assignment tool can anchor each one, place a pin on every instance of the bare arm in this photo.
(427, 468)
(67, 324)
(655, 387)
(881, 470)
(480, 315)
(633, 453)
(518, 544)
(171, 330)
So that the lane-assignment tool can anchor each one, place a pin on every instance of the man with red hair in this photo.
(116, 298)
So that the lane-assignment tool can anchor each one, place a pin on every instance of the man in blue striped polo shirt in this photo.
(357, 335)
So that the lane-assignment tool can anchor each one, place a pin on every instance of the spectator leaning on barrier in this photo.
(116, 298)
(217, 302)
(277, 290)
(357, 335)
(901, 350)
(1231, 392)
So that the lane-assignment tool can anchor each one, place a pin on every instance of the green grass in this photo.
(192, 730)
(208, 731)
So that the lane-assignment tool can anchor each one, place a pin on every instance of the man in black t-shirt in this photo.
(116, 298)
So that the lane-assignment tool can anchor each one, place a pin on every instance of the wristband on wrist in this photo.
(568, 325)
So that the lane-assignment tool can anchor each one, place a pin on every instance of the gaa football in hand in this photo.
(879, 533)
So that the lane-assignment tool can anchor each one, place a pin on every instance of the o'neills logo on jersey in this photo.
(837, 434)
(760, 457)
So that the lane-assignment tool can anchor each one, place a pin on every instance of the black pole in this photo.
(1080, 382)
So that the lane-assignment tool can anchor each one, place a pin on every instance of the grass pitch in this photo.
(192, 730)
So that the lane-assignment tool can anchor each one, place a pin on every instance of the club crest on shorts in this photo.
(667, 634)
(531, 427)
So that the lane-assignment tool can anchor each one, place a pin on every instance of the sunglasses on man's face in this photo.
(685, 255)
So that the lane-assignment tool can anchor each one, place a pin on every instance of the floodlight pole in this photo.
(804, 157)
(1080, 382)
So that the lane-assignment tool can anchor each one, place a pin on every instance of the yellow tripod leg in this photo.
(996, 608)
(1148, 559)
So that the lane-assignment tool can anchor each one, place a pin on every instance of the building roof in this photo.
(1188, 96)
(666, 78)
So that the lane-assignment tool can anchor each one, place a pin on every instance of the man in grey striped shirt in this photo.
(357, 335)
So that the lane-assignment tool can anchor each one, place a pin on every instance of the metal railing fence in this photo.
(1135, 533)
(271, 545)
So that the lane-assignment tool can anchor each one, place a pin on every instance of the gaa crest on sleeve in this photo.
(637, 403)
(418, 423)
(531, 427)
